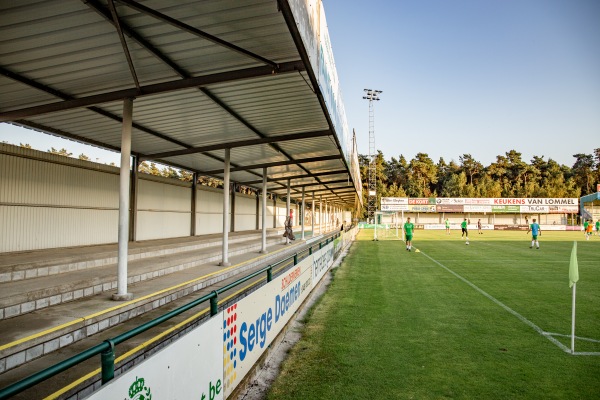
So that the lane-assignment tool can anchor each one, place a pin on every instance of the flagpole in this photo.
(573, 278)
(573, 321)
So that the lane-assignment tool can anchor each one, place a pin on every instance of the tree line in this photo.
(508, 176)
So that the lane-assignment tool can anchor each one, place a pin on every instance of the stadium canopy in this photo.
(205, 76)
(590, 206)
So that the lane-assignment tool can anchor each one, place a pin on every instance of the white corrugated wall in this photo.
(280, 210)
(245, 212)
(51, 201)
(209, 211)
(164, 208)
(269, 218)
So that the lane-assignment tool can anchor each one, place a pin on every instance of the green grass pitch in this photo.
(491, 320)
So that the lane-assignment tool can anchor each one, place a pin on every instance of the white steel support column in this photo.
(287, 209)
(301, 213)
(320, 215)
(313, 215)
(326, 217)
(124, 178)
(264, 212)
(332, 218)
(336, 217)
(226, 197)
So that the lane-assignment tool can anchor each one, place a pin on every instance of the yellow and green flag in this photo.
(573, 267)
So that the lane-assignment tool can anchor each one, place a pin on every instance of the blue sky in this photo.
(471, 76)
(458, 76)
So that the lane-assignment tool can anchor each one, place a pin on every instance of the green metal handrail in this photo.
(106, 349)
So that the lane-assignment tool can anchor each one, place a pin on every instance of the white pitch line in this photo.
(576, 337)
(510, 310)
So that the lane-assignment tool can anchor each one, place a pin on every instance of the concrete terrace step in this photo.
(32, 264)
(34, 335)
(23, 296)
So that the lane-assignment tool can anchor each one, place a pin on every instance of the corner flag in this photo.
(573, 278)
(573, 267)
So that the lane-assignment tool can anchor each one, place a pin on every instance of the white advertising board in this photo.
(187, 369)
(210, 361)
(306, 14)
(478, 208)
(535, 201)
(479, 201)
(322, 259)
(449, 200)
(257, 319)
(330, 85)
(471, 227)
(555, 205)
(534, 209)
(394, 207)
(394, 200)
(563, 209)
(553, 228)
(421, 208)
(440, 226)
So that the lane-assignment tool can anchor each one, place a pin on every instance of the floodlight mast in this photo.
(372, 95)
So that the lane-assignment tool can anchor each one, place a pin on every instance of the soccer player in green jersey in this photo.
(465, 232)
(408, 231)
(535, 232)
(447, 227)
(598, 228)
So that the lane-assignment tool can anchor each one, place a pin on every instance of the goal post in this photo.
(388, 225)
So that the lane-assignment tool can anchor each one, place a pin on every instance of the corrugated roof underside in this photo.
(65, 50)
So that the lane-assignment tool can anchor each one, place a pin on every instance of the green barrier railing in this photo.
(106, 349)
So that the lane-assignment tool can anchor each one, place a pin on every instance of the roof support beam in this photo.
(178, 24)
(97, 110)
(336, 194)
(308, 185)
(101, 10)
(149, 90)
(276, 164)
(181, 72)
(301, 176)
(239, 143)
(117, 25)
(249, 126)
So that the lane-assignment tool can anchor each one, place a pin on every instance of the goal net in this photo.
(389, 225)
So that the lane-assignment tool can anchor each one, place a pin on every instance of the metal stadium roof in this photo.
(205, 75)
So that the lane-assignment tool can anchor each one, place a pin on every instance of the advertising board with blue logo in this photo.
(210, 361)
(183, 370)
(254, 322)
